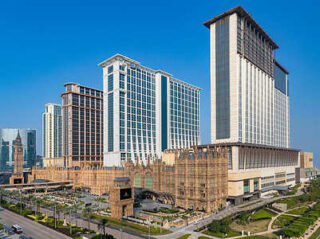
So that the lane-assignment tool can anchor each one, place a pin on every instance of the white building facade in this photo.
(250, 106)
(146, 111)
(52, 131)
(250, 100)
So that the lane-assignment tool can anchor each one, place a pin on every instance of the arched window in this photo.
(137, 181)
(148, 181)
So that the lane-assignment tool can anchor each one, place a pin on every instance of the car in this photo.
(17, 229)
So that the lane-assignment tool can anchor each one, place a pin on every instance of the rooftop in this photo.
(77, 84)
(119, 57)
(281, 67)
(249, 145)
(243, 13)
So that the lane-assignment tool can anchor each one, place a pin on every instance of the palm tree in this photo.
(102, 226)
(58, 210)
(75, 209)
(86, 213)
(38, 203)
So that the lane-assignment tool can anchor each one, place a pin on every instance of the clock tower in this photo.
(17, 176)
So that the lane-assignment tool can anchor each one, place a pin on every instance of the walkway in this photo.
(190, 229)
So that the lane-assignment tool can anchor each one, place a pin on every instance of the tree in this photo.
(75, 209)
(102, 226)
(215, 226)
(58, 210)
(2, 193)
(38, 203)
(86, 213)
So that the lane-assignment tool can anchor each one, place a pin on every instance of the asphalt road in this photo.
(30, 228)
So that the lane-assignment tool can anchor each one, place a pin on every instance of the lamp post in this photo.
(149, 227)
(55, 220)
(20, 204)
(70, 221)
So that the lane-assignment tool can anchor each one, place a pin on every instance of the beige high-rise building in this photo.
(249, 88)
(52, 131)
(82, 125)
(250, 106)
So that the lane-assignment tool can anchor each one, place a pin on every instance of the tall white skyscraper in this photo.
(52, 131)
(249, 88)
(146, 111)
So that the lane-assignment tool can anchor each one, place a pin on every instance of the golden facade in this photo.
(198, 178)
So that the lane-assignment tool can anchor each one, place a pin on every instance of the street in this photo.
(30, 228)
(82, 222)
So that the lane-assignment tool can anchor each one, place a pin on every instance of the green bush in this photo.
(243, 217)
(298, 211)
(299, 226)
(169, 210)
(284, 220)
(220, 226)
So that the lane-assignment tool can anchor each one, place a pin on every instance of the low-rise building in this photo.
(307, 171)
(197, 179)
(257, 169)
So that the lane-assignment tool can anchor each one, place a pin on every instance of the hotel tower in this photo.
(146, 111)
(249, 106)
(249, 88)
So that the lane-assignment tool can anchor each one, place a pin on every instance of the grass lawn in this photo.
(316, 234)
(220, 234)
(282, 221)
(297, 211)
(294, 201)
(186, 236)
(203, 237)
(262, 214)
(133, 226)
(253, 227)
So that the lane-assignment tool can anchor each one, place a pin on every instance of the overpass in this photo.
(38, 186)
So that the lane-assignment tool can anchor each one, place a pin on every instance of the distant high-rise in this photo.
(52, 131)
(146, 111)
(7, 142)
(82, 125)
(249, 88)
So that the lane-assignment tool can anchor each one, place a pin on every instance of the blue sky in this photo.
(44, 44)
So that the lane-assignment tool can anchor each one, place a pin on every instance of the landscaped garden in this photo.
(316, 234)
(297, 211)
(301, 224)
(132, 226)
(298, 225)
(282, 221)
(256, 221)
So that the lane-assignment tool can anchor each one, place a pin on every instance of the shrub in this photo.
(169, 210)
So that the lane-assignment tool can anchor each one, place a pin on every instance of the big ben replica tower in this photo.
(17, 176)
